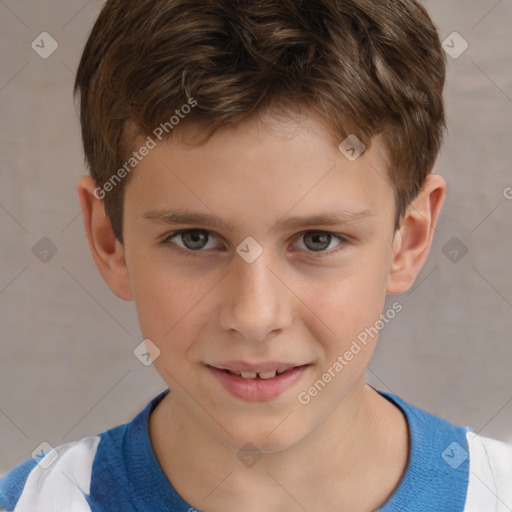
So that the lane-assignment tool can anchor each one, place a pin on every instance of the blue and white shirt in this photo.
(450, 469)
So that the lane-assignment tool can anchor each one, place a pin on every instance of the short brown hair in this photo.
(367, 67)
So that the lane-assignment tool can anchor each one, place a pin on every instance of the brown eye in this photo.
(321, 242)
(194, 240)
(191, 240)
(317, 241)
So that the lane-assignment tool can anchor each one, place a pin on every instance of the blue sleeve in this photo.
(11, 485)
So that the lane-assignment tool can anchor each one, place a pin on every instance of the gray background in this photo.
(67, 367)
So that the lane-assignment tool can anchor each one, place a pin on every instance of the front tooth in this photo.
(248, 375)
(267, 375)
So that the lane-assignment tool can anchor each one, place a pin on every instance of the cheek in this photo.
(346, 302)
(166, 316)
(349, 293)
(165, 298)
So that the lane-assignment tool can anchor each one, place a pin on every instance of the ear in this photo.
(413, 240)
(106, 250)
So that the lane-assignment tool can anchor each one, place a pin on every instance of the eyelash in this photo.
(168, 241)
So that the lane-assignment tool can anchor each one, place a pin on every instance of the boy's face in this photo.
(300, 303)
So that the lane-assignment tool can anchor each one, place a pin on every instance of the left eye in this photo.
(318, 241)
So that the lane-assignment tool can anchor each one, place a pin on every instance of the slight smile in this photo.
(256, 382)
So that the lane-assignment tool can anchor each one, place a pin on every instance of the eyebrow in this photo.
(285, 223)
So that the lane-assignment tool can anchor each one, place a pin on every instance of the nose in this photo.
(256, 302)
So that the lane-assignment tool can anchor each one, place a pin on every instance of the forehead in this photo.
(277, 165)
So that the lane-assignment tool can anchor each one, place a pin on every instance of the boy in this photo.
(260, 182)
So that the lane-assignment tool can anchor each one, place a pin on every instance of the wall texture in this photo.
(67, 367)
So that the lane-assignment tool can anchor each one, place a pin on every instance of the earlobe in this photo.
(412, 242)
(106, 250)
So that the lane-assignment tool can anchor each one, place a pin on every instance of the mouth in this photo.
(257, 382)
(260, 374)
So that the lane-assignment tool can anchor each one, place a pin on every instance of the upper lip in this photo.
(244, 366)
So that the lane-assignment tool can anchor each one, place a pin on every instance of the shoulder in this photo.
(57, 480)
(96, 473)
(453, 468)
(437, 473)
(490, 477)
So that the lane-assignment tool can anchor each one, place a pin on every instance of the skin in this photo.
(348, 448)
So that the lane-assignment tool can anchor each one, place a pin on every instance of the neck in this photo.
(353, 460)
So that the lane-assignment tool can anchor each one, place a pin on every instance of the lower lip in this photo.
(258, 390)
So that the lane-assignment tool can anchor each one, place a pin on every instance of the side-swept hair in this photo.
(367, 67)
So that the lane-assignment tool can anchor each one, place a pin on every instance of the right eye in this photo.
(191, 240)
